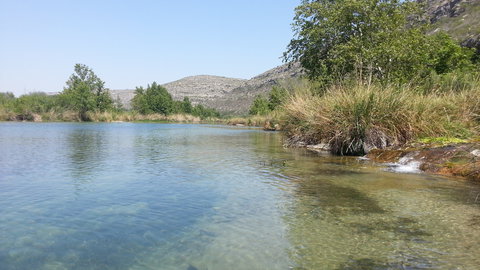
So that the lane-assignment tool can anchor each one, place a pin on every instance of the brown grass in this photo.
(353, 120)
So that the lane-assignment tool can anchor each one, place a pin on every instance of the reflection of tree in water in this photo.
(86, 153)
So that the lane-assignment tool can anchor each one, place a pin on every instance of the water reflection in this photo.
(149, 196)
(86, 153)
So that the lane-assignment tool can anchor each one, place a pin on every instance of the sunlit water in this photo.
(165, 196)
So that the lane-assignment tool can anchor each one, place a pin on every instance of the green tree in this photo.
(86, 92)
(448, 55)
(154, 99)
(260, 106)
(367, 39)
(277, 97)
(204, 112)
(34, 103)
(187, 105)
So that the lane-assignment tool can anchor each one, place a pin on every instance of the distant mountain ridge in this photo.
(228, 95)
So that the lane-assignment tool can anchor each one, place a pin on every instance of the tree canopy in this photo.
(156, 99)
(86, 92)
(369, 39)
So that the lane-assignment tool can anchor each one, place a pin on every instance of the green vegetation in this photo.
(356, 118)
(259, 106)
(377, 78)
(264, 106)
(85, 92)
(370, 40)
(442, 140)
(85, 98)
(156, 99)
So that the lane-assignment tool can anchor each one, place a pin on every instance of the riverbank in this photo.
(121, 116)
(268, 123)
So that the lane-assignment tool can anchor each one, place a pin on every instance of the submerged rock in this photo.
(270, 126)
(321, 147)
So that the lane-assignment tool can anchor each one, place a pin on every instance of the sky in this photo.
(133, 43)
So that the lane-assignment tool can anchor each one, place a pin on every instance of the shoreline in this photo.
(454, 159)
(459, 160)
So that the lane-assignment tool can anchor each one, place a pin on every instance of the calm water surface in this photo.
(193, 197)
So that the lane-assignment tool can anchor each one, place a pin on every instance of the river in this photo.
(198, 197)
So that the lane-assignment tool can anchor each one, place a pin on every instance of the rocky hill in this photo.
(227, 95)
(239, 99)
(459, 18)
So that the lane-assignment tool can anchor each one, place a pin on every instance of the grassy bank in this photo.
(354, 118)
(133, 116)
(108, 116)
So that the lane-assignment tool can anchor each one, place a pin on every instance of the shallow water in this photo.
(168, 196)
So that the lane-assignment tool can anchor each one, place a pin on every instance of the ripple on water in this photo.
(150, 196)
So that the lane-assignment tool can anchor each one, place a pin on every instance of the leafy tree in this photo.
(86, 92)
(276, 97)
(448, 55)
(204, 112)
(368, 39)
(260, 106)
(154, 99)
(187, 105)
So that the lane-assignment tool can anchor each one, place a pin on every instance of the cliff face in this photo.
(459, 18)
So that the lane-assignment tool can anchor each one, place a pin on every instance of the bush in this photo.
(154, 99)
(260, 106)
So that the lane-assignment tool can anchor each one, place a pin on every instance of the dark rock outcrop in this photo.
(459, 18)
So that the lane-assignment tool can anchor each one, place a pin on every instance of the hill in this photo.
(228, 95)
(459, 18)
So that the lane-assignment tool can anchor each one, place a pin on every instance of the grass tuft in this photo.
(355, 119)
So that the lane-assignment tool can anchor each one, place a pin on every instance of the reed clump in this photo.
(356, 118)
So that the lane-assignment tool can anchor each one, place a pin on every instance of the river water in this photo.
(197, 197)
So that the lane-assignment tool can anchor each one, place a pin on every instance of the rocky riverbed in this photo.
(454, 159)
(461, 159)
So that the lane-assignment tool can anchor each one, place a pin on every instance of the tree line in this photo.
(85, 92)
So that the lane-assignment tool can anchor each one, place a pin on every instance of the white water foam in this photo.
(406, 164)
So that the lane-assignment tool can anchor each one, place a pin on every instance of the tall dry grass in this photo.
(131, 116)
(354, 119)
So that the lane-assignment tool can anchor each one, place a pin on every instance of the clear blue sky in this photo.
(132, 43)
